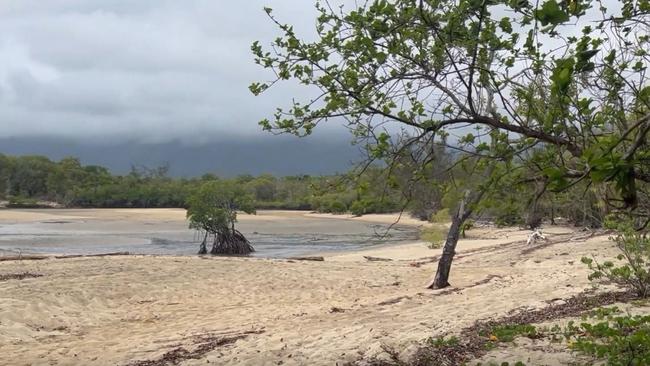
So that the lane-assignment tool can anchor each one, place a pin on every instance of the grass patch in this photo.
(508, 332)
(443, 341)
(435, 235)
(441, 216)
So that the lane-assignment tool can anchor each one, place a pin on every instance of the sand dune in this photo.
(116, 310)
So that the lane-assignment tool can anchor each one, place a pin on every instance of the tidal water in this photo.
(100, 231)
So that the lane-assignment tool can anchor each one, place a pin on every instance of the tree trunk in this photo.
(203, 249)
(465, 209)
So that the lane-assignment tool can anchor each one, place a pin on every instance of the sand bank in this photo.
(116, 310)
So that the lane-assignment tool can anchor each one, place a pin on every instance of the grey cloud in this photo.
(149, 70)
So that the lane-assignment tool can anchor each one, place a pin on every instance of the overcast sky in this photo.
(149, 70)
(168, 74)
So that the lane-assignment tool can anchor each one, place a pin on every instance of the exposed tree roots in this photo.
(231, 242)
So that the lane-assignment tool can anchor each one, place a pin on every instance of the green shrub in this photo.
(633, 267)
(358, 208)
(23, 202)
(369, 205)
(441, 216)
(442, 342)
(508, 332)
(336, 207)
(620, 340)
(435, 235)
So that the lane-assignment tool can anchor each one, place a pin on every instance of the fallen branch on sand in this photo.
(453, 290)
(394, 301)
(23, 257)
(376, 259)
(19, 276)
(30, 257)
(91, 255)
(317, 259)
(203, 344)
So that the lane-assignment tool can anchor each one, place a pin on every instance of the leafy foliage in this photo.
(516, 91)
(212, 210)
(25, 180)
(618, 339)
(633, 267)
(213, 206)
(435, 235)
(508, 332)
(441, 342)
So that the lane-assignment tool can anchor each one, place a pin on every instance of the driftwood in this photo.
(23, 257)
(376, 259)
(19, 276)
(91, 255)
(29, 257)
(316, 259)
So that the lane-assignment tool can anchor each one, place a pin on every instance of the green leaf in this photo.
(551, 13)
(505, 25)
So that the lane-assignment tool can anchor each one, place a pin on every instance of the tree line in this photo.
(25, 180)
(421, 191)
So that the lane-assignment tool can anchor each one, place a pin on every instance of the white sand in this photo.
(113, 310)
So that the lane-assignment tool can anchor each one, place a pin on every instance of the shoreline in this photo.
(274, 233)
(137, 308)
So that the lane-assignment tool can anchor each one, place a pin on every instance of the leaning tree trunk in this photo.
(231, 242)
(465, 209)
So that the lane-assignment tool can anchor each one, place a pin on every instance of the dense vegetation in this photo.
(27, 179)
(428, 195)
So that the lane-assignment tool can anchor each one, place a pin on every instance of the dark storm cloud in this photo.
(149, 70)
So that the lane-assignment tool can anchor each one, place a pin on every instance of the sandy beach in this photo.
(125, 309)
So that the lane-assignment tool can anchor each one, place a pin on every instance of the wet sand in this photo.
(117, 310)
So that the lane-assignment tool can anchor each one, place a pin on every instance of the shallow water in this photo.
(102, 231)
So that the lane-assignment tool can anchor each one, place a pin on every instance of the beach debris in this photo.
(393, 301)
(33, 257)
(335, 309)
(202, 346)
(91, 255)
(22, 257)
(424, 260)
(473, 339)
(316, 259)
(19, 276)
(376, 259)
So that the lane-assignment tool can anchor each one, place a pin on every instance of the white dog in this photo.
(534, 236)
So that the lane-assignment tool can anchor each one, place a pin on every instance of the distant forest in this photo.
(26, 181)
